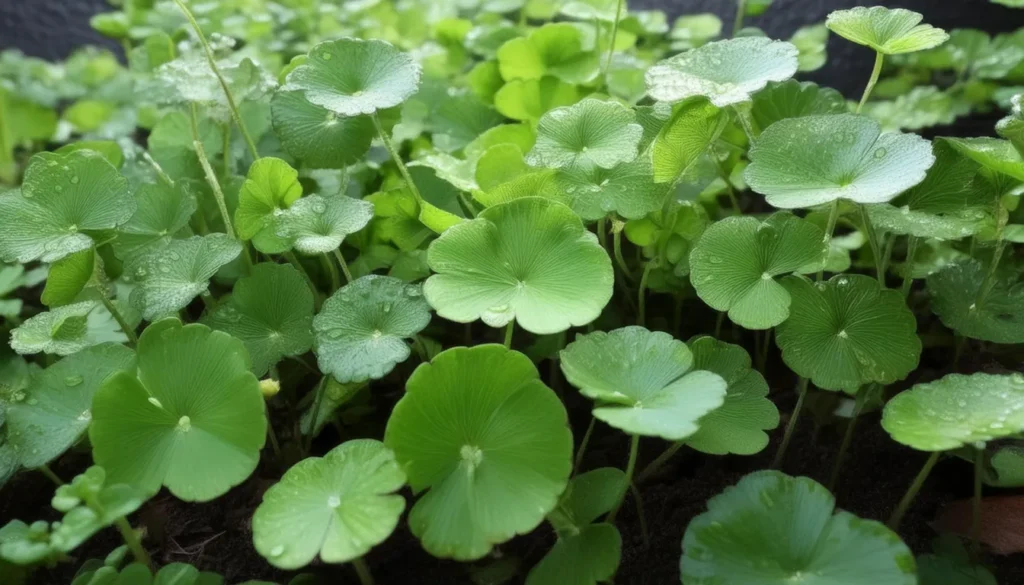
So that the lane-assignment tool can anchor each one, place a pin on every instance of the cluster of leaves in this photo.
(343, 183)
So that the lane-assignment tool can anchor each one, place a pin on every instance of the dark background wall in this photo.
(53, 28)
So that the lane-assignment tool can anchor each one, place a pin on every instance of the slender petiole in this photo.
(915, 486)
(634, 448)
(788, 436)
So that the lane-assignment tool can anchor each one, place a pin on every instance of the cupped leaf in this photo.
(169, 278)
(998, 156)
(734, 264)
(529, 99)
(62, 197)
(725, 72)
(803, 162)
(352, 76)
(488, 442)
(162, 212)
(771, 528)
(318, 224)
(317, 136)
(957, 411)
(193, 411)
(270, 188)
(271, 311)
(685, 138)
(57, 407)
(361, 330)
(76, 277)
(848, 332)
(338, 506)
(998, 316)
(887, 30)
(739, 425)
(530, 259)
(67, 329)
(590, 132)
(555, 49)
(795, 99)
(642, 382)
(628, 190)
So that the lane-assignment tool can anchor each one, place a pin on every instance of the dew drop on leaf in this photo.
(72, 381)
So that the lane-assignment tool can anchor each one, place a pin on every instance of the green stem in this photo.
(642, 294)
(719, 321)
(908, 265)
(747, 122)
(220, 79)
(788, 436)
(332, 270)
(508, 333)
(833, 217)
(365, 578)
(990, 281)
(872, 236)
(611, 45)
(294, 261)
(344, 265)
(879, 60)
(226, 149)
(159, 170)
(583, 445)
(762, 358)
(640, 514)
(617, 250)
(655, 465)
(318, 399)
(861, 400)
(890, 242)
(634, 448)
(397, 158)
(128, 330)
(50, 475)
(979, 461)
(602, 232)
(131, 538)
(729, 189)
(741, 12)
(908, 498)
(211, 177)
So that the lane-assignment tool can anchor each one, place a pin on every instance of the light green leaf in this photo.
(190, 80)
(795, 99)
(694, 30)
(271, 312)
(352, 76)
(811, 41)
(803, 162)
(487, 441)
(77, 277)
(628, 189)
(590, 10)
(998, 317)
(162, 212)
(693, 127)
(725, 72)
(91, 503)
(642, 382)
(62, 196)
(270, 188)
(922, 107)
(999, 156)
(109, 149)
(172, 146)
(556, 49)
(316, 136)
(848, 332)
(771, 528)
(529, 99)
(734, 264)
(195, 414)
(318, 224)
(588, 557)
(338, 506)
(66, 330)
(530, 260)
(590, 132)
(957, 411)
(887, 30)
(361, 330)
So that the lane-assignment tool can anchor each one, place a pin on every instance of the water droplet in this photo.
(333, 502)
(185, 424)
(327, 56)
(58, 188)
(335, 333)
(277, 551)
(880, 153)
(32, 401)
(155, 402)
(75, 180)
(319, 207)
(72, 381)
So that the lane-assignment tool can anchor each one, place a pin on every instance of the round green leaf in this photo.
(628, 189)
(271, 311)
(62, 196)
(734, 264)
(530, 259)
(803, 162)
(352, 76)
(488, 442)
(848, 332)
(999, 156)
(795, 99)
(318, 224)
(685, 138)
(725, 72)
(361, 330)
(998, 318)
(168, 279)
(590, 132)
(957, 411)
(588, 557)
(773, 529)
(555, 49)
(338, 506)
(316, 136)
(887, 30)
(530, 99)
(66, 330)
(57, 408)
(194, 414)
(642, 381)
(739, 425)
(162, 212)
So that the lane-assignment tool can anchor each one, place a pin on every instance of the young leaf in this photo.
(739, 425)
(803, 162)
(193, 410)
(642, 382)
(66, 330)
(489, 444)
(628, 189)
(57, 408)
(795, 99)
(46, 220)
(812, 43)
(530, 260)
(270, 188)
(725, 72)
(957, 411)
(338, 506)
(271, 311)
(79, 276)
(318, 224)
(693, 127)
(316, 136)
(591, 132)
(998, 317)
(529, 99)
(848, 332)
(361, 330)
(169, 278)
(773, 528)
(555, 49)
(998, 156)
(735, 262)
(162, 212)
(353, 76)
(91, 503)
(887, 30)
